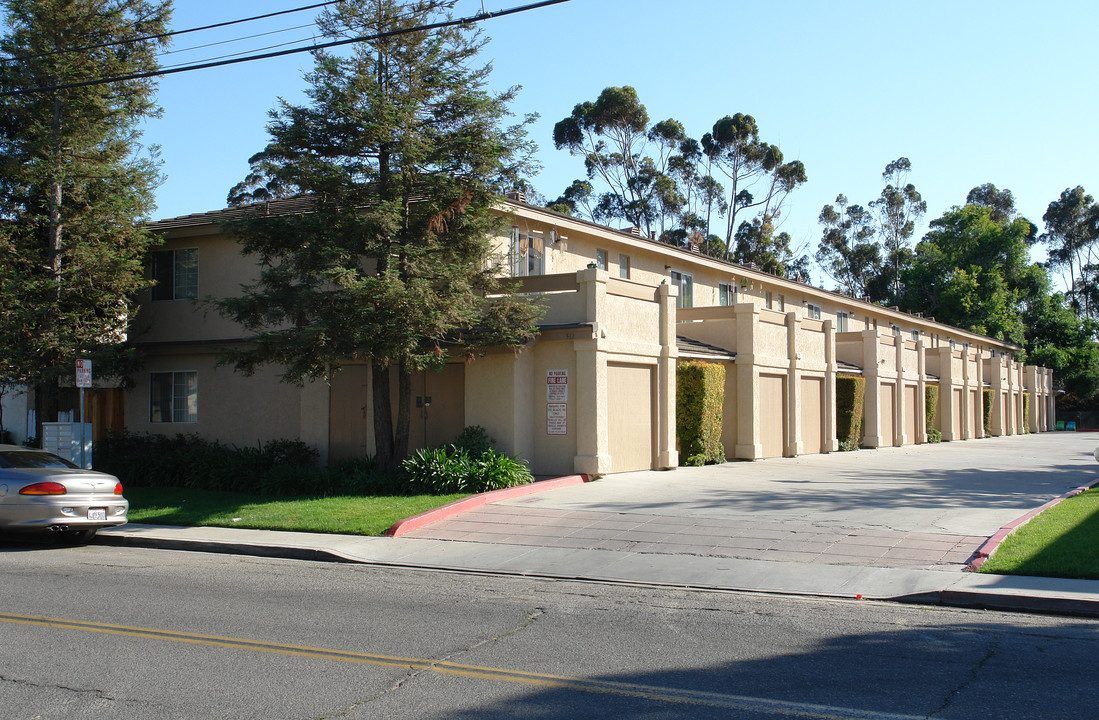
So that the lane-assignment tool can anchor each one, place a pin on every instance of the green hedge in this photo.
(700, 395)
(988, 411)
(850, 393)
(1026, 412)
(931, 412)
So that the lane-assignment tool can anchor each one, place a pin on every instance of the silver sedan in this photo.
(40, 492)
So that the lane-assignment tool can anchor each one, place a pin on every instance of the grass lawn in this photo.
(1061, 542)
(344, 515)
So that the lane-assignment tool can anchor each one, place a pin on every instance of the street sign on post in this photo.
(83, 380)
(83, 373)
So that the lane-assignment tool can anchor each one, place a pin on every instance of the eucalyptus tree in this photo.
(1071, 236)
(848, 251)
(899, 207)
(75, 186)
(403, 152)
(758, 177)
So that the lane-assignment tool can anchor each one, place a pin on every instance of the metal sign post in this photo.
(83, 380)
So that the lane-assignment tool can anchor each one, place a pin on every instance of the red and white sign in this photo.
(556, 419)
(557, 386)
(83, 373)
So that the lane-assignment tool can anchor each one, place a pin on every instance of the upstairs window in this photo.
(601, 259)
(916, 335)
(726, 294)
(527, 253)
(812, 311)
(624, 267)
(843, 321)
(686, 285)
(175, 273)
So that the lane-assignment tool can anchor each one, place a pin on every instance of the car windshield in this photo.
(32, 459)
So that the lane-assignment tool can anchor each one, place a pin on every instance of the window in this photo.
(842, 321)
(812, 311)
(780, 304)
(768, 302)
(601, 259)
(527, 253)
(953, 344)
(916, 335)
(686, 285)
(175, 273)
(896, 330)
(624, 267)
(726, 294)
(173, 397)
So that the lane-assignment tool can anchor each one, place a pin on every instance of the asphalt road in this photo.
(102, 632)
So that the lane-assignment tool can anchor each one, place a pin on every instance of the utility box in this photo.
(64, 438)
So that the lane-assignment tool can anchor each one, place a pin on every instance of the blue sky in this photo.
(970, 92)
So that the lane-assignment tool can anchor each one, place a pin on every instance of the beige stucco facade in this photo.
(595, 392)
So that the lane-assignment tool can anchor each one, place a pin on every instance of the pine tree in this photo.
(402, 151)
(74, 188)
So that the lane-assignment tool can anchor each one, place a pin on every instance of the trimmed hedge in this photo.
(931, 412)
(288, 467)
(1026, 413)
(988, 411)
(850, 393)
(700, 395)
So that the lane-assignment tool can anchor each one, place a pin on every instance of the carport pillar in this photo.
(831, 442)
(921, 392)
(946, 411)
(667, 455)
(979, 411)
(749, 444)
(794, 445)
(1033, 410)
(998, 383)
(592, 429)
(900, 396)
(1051, 402)
(871, 405)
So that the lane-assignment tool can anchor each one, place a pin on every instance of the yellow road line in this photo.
(645, 692)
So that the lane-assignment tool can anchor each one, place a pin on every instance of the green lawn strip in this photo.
(348, 515)
(1062, 541)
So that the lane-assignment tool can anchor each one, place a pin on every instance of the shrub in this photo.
(850, 393)
(988, 411)
(931, 412)
(475, 439)
(700, 395)
(452, 469)
(1026, 413)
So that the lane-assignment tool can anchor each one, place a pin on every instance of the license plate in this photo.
(99, 514)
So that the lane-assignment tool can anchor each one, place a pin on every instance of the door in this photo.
(631, 416)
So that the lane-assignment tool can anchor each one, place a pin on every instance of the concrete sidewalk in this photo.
(896, 524)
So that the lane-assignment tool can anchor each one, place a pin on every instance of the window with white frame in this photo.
(726, 294)
(173, 397)
(686, 285)
(624, 267)
(812, 311)
(843, 321)
(780, 303)
(916, 335)
(175, 273)
(896, 330)
(601, 259)
(527, 253)
(768, 301)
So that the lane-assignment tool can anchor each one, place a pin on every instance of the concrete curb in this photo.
(993, 543)
(474, 501)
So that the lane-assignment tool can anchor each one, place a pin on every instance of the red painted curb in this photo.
(473, 501)
(990, 545)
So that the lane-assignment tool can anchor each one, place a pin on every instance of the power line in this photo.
(173, 33)
(267, 56)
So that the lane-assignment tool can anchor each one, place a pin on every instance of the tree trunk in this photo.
(404, 411)
(385, 458)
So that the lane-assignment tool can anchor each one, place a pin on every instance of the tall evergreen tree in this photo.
(74, 187)
(403, 152)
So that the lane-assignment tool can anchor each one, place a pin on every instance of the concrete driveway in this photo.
(928, 506)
